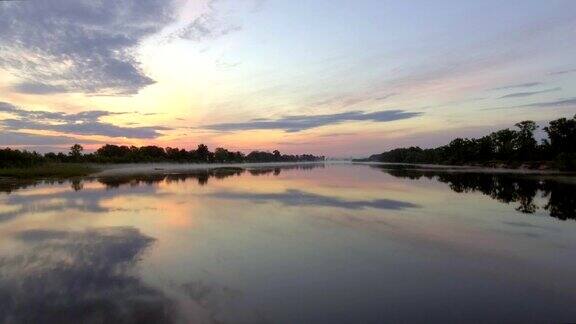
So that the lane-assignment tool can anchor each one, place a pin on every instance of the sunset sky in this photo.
(331, 77)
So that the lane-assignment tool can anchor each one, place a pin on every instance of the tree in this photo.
(486, 148)
(504, 141)
(562, 135)
(76, 152)
(152, 153)
(221, 155)
(202, 153)
(115, 153)
(277, 155)
(525, 143)
(506, 144)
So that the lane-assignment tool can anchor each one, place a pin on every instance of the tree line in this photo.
(12, 158)
(511, 147)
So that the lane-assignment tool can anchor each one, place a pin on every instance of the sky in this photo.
(330, 77)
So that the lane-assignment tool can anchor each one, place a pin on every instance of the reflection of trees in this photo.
(561, 200)
(80, 277)
(88, 198)
(278, 169)
(505, 188)
(79, 198)
(8, 185)
(264, 171)
(309, 166)
(77, 185)
(202, 176)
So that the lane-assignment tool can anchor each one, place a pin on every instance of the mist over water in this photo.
(321, 243)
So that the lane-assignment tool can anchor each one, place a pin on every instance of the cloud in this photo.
(563, 72)
(528, 94)
(338, 134)
(83, 123)
(209, 25)
(381, 98)
(86, 200)
(79, 45)
(16, 138)
(37, 88)
(518, 86)
(206, 27)
(571, 102)
(301, 122)
(87, 128)
(293, 197)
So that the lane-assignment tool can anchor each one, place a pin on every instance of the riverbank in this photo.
(470, 168)
(52, 170)
(70, 170)
(164, 168)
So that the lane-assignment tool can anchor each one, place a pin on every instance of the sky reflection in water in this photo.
(335, 243)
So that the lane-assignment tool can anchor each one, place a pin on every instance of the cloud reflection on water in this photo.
(295, 197)
(90, 199)
(92, 275)
(80, 277)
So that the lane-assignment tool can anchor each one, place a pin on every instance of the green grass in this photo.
(53, 170)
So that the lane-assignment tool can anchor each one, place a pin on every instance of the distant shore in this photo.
(469, 168)
(163, 168)
(72, 170)
(50, 170)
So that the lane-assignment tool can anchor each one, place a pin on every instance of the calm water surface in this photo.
(315, 244)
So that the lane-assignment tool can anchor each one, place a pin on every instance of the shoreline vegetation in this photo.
(70, 171)
(526, 194)
(25, 164)
(49, 170)
(503, 149)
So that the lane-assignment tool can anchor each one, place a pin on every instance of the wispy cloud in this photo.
(9, 138)
(563, 72)
(570, 102)
(209, 25)
(528, 94)
(338, 134)
(83, 123)
(299, 123)
(206, 27)
(385, 97)
(517, 86)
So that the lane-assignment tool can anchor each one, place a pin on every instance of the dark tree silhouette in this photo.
(110, 153)
(202, 153)
(76, 152)
(525, 142)
(506, 146)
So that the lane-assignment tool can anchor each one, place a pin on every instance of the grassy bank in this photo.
(50, 170)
